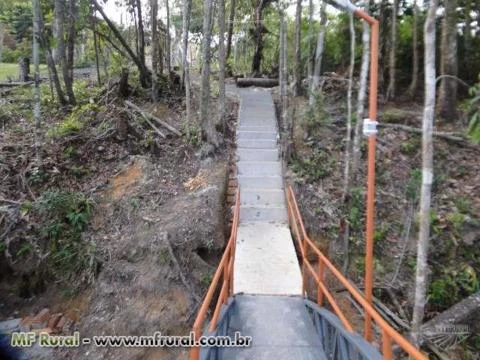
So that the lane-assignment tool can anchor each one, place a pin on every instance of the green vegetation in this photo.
(474, 111)
(315, 167)
(453, 285)
(75, 121)
(63, 216)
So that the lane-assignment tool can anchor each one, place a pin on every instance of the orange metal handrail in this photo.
(389, 334)
(224, 271)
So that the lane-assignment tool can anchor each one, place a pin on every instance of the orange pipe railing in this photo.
(224, 271)
(388, 333)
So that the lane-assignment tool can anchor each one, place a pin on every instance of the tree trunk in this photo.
(36, 95)
(95, 44)
(72, 33)
(2, 29)
(318, 53)
(310, 58)
(427, 175)
(207, 121)
(186, 66)
(258, 54)
(348, 136)
(168, 53)
(283, 70)
(393, 52)
(59, 52)
(362, 95)
(222, 63)
(231, 19)
(154, 14)
(297, 65)
(447, 98)
(43, 42)
(24, 69)
(467, 43)
(412, 89)
(123, 88)
(141, 32)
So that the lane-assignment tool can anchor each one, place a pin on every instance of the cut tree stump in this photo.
(260, 82)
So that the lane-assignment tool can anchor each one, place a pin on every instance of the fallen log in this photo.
(445, 135)
(148, 115)
(260, 82)
(463, 312)
(16, 83)
(149, 123)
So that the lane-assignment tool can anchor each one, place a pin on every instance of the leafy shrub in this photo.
(75, 121)
(63, 217)
(453, 285)
(315, 167)
(473, 107)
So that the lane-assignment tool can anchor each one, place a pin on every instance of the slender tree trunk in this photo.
(72, 33)
(447, 98)
(168, 53)
(413, 84)
(43, 42)
(318, 53)
(348, 136)
(141, 33)
(231, 19)
(2, 27)
(468, 40)
(297, 65)
(95, 44)
(222, 63)
(393, 54)
(427, 175)
(36, 96)
(311, 56)
(362, 95)
(207, 121)
(59, 53)
(186, 66)
(283, 69)
(154, 15)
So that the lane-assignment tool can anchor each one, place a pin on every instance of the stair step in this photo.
(263, 213)
(260, 182)
(263, 197)
(256, 144)
(259, 168)
(263, 135)
(267, 127)
(257, 154)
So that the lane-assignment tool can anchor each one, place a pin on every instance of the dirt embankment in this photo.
(153, 275)
(156, 228)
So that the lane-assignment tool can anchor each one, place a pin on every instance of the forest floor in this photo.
(153, 212)
(316, 171)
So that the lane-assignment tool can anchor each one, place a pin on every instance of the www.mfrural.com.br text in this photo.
(28, 339)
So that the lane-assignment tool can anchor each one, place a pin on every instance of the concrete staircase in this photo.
(263, 232)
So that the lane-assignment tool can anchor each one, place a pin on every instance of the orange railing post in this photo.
(372, 140)
(321, 269)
